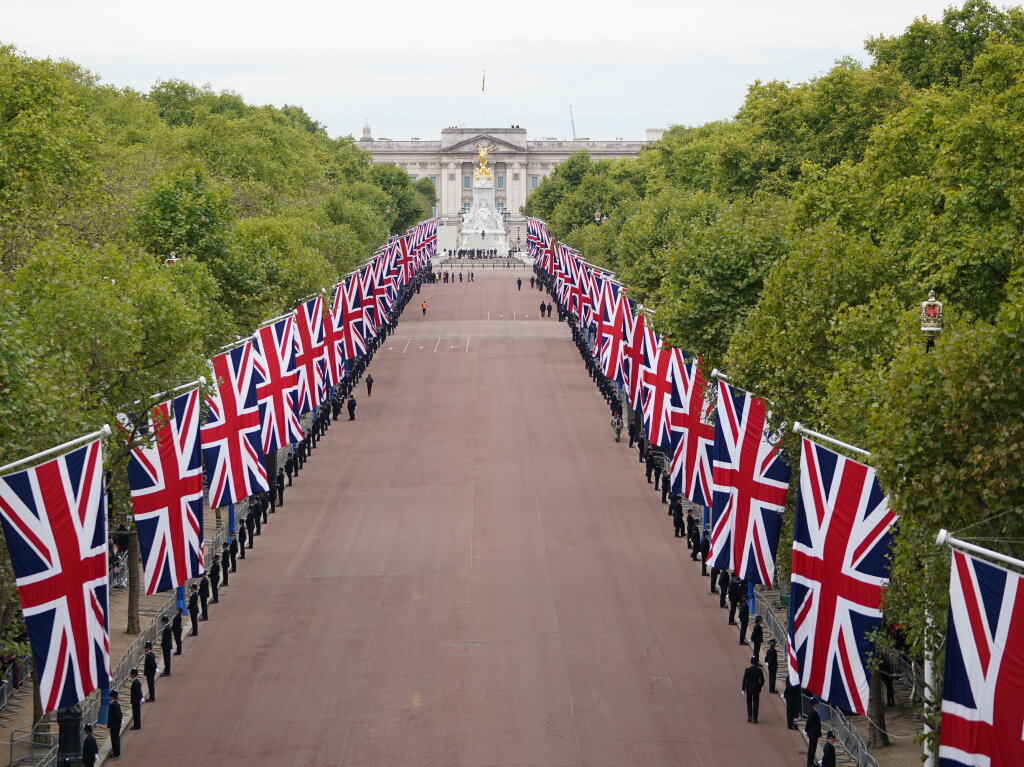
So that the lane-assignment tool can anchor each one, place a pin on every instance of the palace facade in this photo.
(518, 163)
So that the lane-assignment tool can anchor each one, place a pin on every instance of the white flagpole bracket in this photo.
(799, 428)
(104, 432)
(716, 373)
(945, 539)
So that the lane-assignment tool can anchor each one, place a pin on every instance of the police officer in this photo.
(812, 729)
(214, 580)
(753, 681)
(166, 645)
(677, 517)
(135, 698)
(149, 670)
(250, 525)
(89, 748)
(225, 560)
(193, 610)
(289, 466)
(351, 408)
(723, 587)
(369, 385)
(204, 595)
(757, 636)
(279, 482)
(771, 660)
(176, 630)
(242, 537)
(744, 617)
(828, 750)
(705, 549)
(114, 721)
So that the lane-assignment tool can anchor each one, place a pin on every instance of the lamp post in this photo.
(931, 320)
(172, 260)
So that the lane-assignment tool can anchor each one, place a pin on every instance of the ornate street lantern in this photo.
(931, 319)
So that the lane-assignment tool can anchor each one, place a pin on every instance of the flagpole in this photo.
(201, 381)
(233, 344)
(799, 428)
(275, 319)
(945, 539)
(104, 432)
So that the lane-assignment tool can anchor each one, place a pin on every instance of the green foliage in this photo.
(406, 205)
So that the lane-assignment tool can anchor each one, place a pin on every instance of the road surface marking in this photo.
(406, 346)
(437, 344)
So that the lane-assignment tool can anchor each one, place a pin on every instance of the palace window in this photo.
(465, 207)
(501, 182)
(433, 180)
(501, 207)
(465, 182)
(534, 181)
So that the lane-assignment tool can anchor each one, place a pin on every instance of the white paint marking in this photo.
(406, 347)
(513, 315)
(419, 347)
(467, 342)
(437, 344)
(488, 315)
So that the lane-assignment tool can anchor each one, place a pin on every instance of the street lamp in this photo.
(931, 320)
(172, 260)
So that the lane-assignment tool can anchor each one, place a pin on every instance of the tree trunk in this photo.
(134, 585)
(877, 735)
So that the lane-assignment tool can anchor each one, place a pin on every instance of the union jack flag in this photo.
(424, 238)
(366, 280)
(55, 521)
(309, 331)
(656, 389)
(231, 435)
(277, 384)
(633, 356)
(352, 317)
(536, 236)
(749, 486)
(693, 437)
(615, 324)
(383, 288)
(842, 540)
(336, 363)
(982, 704)
(166, 483)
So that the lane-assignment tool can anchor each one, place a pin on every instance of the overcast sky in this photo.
(412, 68)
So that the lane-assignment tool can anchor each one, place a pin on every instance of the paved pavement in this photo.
(471, 573)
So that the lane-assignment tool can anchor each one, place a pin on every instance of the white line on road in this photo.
(437, 344)
(467, 342)
(406, 345)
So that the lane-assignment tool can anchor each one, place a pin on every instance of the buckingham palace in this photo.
(518, 164)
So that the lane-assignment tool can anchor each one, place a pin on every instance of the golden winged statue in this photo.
(482, 171)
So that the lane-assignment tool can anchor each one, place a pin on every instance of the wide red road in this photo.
(471, 573)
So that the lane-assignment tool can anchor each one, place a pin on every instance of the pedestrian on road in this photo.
(705, 549)
(519, 284)
(617, 426)
(677, 518)
(114, 721)
(176, 630)
(89, 748)
(166, 644)
(549, 308)
(812, 729)
(533, 280)
(149, 670)
(135, 698)
(204, 595)
(753, 681)
(744, 617)
(424, 306)
(214, 580)
(828, 750)
(279, 484)
(352, 408)
(542, 310)
(757, 635)
(771, 660)
(193, 610)
(369, 385)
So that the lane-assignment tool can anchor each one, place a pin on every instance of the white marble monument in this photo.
(483, 226)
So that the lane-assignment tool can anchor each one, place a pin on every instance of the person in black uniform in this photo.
(250, 525)
(135, 698)
(714, 580)
(264, 508)
(743, 613)
(204, 595)
(828, 750)
(885, 669)
(677, 517)
(193, 610)
(289, 466)
(735, 595)
(549, 308)
(694, 540)
(792, 695)
(149, 670)
(280, 487)
(369, 385)
(351, 408)
(753, 681)
(649, 466)
(166, 645)
(214, 580)
(705, 549)
(723, 587)
(257, 517)
(757, 635)
(176, 630)
(242, 537)
(542, 309)
(771, 660)
(691, 528)
(665, 482)
(89, 748)
(114, 721)
(225, 560)
(812, 729)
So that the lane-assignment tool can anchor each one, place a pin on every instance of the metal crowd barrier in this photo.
(910, 673)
